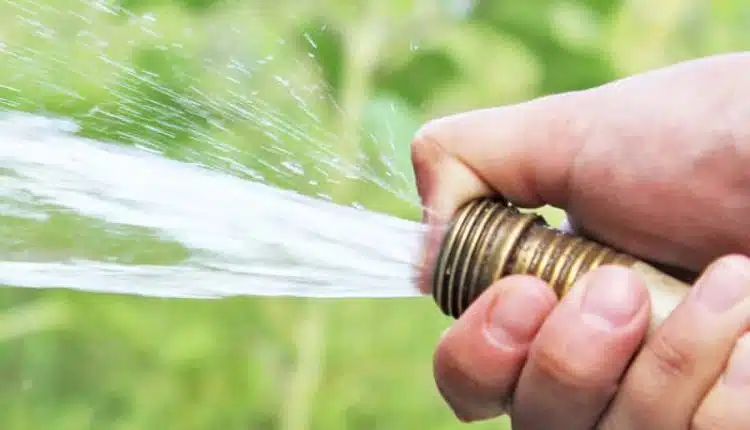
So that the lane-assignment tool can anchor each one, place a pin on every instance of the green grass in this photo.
(79, 361)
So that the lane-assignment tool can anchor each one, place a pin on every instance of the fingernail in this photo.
(738, 370)
(611, 298)
(724, 283)
(516, 315)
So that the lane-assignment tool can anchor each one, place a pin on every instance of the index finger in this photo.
(524, 151)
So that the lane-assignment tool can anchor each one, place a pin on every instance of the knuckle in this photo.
(425, 145)
(453, 372)
(447, 374)
(570, 374)
(430, 130)
(455, 386)
(671, 354)
(472, 391)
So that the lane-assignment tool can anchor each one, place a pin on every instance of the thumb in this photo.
(525, 152)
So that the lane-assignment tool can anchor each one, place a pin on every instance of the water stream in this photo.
(97, 216)
(162, 151)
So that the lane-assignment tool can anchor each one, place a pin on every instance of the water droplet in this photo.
(310, 41)
(254, 174)
(325, 196)
(294, 167)
(282, 81)
(272, 136)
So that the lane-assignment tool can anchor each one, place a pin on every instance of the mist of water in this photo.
(205, 234)
(216, 148)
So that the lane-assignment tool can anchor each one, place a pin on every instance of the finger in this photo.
(524, 150)
(479, 358)
(725, 407)
(681, 360)
(578, 357)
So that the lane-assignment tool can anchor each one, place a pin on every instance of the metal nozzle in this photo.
(490, 239)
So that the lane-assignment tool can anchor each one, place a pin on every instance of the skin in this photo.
(657, 165)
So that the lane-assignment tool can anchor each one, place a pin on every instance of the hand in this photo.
(657, 165)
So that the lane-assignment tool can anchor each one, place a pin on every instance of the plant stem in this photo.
(310, 357)
(363, 41)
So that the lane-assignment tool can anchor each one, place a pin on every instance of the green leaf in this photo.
(563, 68)
(416, 80)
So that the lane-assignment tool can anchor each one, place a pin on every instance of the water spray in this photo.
(490, 239)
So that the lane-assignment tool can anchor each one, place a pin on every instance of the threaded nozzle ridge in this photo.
(490, 239)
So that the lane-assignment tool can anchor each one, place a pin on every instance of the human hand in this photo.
(655, 165)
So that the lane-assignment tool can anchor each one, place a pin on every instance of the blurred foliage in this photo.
(247, 87)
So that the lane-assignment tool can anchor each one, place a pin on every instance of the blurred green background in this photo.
(239, 86)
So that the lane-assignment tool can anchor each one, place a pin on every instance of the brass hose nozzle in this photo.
(490, 239)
